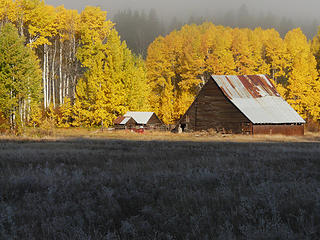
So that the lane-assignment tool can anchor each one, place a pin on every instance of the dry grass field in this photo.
(88, 184)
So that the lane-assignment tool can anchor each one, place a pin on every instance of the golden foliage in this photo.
(176, 62)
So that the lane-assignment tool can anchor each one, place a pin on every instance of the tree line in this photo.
(176, 62)
(140, 28)
(73, 69)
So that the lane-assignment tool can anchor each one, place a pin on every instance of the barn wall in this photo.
(154, 120)
(212, 110)
(155, 123)
(131, 123)
(289, 130)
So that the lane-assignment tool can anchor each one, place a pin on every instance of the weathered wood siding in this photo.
(154, 120)
(130, 124)
(155, 123)
(212, 110)
(289, 130)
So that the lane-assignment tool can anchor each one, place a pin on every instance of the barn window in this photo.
(187, 119)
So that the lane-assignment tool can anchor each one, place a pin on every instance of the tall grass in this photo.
(112, 189)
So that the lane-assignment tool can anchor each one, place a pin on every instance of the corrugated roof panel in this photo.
(257, 98)
(140, 117)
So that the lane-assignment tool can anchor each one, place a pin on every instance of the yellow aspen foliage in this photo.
(6, 10)
(66, 22)
(36, 116)
(166, 109)
(113, 75)
(77, 114)
(303, 84)
(137, 88)
(51, 114)
(217, 44)
(176, 62)
(65, 116)
(160, 65)
(277, 57)
(36, 21)
(257, 45)
(315, 48)
(242, 52)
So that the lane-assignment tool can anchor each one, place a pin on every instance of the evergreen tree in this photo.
(20, 77)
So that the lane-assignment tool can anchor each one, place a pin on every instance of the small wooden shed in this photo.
(147, 120)
(247, 104)
(123, 122)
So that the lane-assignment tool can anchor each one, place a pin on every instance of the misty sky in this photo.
(289, 8)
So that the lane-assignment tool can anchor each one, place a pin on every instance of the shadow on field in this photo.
(116, 189)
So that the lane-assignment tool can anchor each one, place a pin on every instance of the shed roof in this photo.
(140, 117)
(257, 98)
(122, 120)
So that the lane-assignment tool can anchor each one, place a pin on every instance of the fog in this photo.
(168, 8)
(135, 26)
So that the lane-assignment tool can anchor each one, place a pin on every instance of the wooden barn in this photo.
(147, 120)
(247, 104)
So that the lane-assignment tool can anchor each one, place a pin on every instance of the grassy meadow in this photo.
(89, 184)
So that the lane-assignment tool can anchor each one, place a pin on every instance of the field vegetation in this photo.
(82, 184)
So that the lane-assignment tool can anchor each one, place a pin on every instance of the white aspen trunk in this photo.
(64, 87)
(44, 77)
(28, 108)
(27, 104)
(24, 111)
(67, 87)
(21, 27)
(12, 112)
(60, 72)
(13, 118)
(53, 74)
(70, 72)
(20, 110)
(48, 81)
(74, 86)
(74, 78)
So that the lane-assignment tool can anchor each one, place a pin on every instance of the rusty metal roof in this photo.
(257, 98)
(118, 120)
(122, 120)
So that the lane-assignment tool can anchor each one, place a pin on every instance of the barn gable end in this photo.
(212, 109)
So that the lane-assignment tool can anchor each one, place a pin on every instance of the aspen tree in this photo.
(303, 84)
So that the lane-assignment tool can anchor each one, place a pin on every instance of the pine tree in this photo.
(19, 76)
